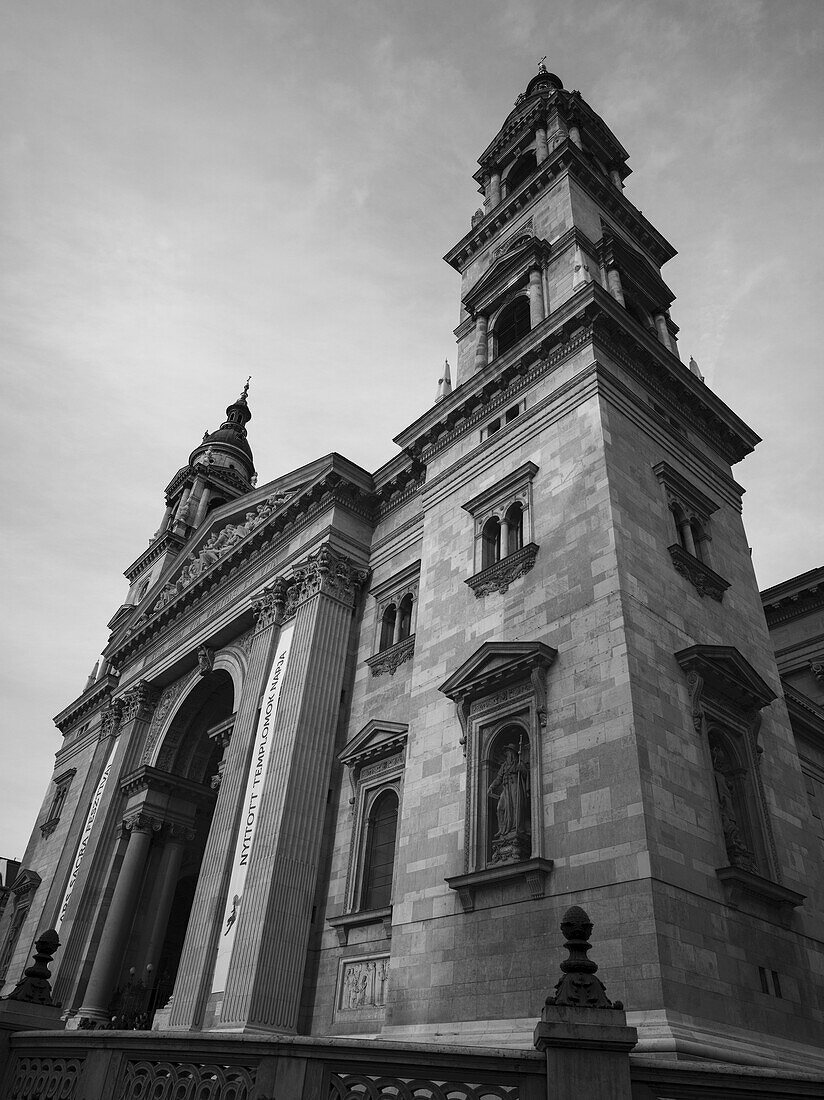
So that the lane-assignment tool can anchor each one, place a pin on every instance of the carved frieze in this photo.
(363, 984)
(391, 659)
(704, 580)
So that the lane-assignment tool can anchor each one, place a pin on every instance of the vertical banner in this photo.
(251, 809)
(84, 836)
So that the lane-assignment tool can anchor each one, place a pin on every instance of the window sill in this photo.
(739, 883)
(498, 577)
(700, 576)
(48, 827)
(388, 660)
(345, 921)
(534, 872)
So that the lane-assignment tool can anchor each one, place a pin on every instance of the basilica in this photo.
(359, 740)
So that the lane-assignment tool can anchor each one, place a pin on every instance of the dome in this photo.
(543, 81)
(230, 436)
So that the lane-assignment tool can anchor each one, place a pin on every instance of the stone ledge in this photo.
(388, 660)
(345, 921)
(738, 883)
(498, 577)
(701, 577)
(534, 872)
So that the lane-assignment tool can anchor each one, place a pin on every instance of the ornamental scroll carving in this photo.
(328, 573)
(111, 718)
(138, 701)
(165, 703)
(268, 607)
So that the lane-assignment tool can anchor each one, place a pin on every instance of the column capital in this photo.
(110, 721)
(182, 834)
(139, 701)
(141, 822)
(268, 605)
(325, 573)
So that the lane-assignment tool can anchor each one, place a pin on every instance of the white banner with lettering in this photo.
(84, 836)
(251, 809)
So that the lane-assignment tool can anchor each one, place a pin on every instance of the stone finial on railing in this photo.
(34, 987)
(578, 986)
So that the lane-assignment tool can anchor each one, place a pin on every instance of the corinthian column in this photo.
(269, 957)
(200, 947)
(109, 956)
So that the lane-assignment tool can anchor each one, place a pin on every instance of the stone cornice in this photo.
(662, 373)
(556, 338)
(802, 709)
(92, 699)
(794, 597)
(167, 541)
(591, 315)
(146, 778)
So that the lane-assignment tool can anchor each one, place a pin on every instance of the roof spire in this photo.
(444, 383)
(541, 65)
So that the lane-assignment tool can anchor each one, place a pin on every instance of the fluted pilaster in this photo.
(268, 962)
(200, 948)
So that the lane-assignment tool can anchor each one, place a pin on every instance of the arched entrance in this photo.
(179, 791)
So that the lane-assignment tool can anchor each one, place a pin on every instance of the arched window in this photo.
(699, 539)
(520, 172)
(379, 851)
(405, 612)
(512, 324)
(491, 542)
(515, 524)
(681, 525)
(388, 627)
(214, 502)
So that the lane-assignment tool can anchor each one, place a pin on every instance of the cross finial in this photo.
(245, 391)
(541, 65)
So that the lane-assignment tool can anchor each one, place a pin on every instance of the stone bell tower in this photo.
(588, 611)
(555, 157)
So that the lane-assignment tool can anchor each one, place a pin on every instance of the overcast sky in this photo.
(194, 191)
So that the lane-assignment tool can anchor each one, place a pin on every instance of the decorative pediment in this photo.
(726, 675)
(526, 252)
(26, 882)
(377, 740)
(496, 664)
(217, 544)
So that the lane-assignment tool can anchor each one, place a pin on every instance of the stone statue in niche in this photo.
(737, 849)
(509, 790)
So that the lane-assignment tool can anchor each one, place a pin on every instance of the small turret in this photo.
(220, 469)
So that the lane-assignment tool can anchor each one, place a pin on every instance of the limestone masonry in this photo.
(358, 741)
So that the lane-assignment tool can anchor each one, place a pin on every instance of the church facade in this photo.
(358, 740)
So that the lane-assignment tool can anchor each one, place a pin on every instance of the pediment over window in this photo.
(496, 664)
(510, 266)
(726, 675)
(377, 740)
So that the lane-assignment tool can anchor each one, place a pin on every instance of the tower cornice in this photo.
(591, 315)
(564, 158)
